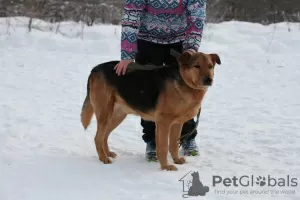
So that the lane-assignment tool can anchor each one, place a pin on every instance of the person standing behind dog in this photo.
(150, 29)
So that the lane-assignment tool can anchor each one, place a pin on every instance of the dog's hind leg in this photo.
(117, 117)
(102, 100)
(99, 142)
(105, 126)
(162, 149)
(174, 146)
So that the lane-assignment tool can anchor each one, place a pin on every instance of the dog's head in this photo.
(195, 175)
(197, 69)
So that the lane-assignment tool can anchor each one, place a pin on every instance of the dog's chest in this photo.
(181, 103)
(189, 113)
(181, 111)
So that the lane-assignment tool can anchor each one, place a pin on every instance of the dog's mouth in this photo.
(201, 87)
(207, 85)
(198, 85)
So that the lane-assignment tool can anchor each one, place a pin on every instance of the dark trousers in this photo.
(159, 54)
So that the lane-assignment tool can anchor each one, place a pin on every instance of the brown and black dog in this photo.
(168, 96)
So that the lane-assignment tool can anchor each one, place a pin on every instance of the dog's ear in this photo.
(215, 58)
(185, 58)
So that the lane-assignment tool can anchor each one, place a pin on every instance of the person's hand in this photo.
(189, 52)
(121, 67)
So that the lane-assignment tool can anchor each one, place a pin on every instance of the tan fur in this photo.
(175, 106)
(86, 113)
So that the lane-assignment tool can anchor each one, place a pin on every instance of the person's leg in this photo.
(187, 128)
(148, 52)
(188, 143)
(148, 130)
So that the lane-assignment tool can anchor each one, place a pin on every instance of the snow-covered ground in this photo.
(250, 122)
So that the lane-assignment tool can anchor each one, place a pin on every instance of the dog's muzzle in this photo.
(207, 80)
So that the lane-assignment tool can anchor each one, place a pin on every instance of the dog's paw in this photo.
(179, 161)
(112, 154)
(169, 168)
(106, 160)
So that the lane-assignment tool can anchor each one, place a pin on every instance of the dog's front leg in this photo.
(174, 146)
(162, 146)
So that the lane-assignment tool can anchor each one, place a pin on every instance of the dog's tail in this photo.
(87, 109)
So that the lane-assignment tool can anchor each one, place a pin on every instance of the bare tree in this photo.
(91, 12)
(188, 184)
(34, 9)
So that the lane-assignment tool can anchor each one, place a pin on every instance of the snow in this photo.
(249, 125)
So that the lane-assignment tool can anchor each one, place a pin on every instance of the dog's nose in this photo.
(207, 80)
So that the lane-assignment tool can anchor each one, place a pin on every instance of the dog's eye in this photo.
(197, 66)
(210, 66)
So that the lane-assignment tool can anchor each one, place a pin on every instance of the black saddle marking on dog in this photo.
(141, 88)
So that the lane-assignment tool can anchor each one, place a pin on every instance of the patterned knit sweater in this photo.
(163, 22)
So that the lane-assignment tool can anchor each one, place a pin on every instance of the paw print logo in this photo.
(261, 181)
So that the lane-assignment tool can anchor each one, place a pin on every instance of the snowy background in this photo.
(249, 125)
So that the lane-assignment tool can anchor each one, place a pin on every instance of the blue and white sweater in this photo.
(163, 22)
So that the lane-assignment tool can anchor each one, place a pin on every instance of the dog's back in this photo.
(140, 89)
